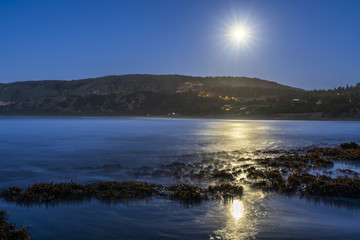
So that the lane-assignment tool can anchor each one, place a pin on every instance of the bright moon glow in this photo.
(237, 209)
(239, 34)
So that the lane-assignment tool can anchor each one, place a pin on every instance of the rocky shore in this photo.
(302, 172)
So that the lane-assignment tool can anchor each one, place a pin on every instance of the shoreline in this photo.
(280, 117)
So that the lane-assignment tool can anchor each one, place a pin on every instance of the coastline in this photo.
(277, 117)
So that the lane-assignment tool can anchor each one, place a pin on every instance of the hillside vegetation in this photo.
(175, 95)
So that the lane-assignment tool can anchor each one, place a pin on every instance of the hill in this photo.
(177, 95)
(136, 95)
(127, 84)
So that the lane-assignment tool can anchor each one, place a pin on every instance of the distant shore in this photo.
(285, 116)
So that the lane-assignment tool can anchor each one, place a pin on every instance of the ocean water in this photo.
(87, 150)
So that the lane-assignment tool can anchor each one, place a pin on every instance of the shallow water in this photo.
(92, 149)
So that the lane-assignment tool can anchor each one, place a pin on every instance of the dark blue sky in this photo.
(308, 44)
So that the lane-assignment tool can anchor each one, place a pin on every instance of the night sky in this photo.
(308, 44)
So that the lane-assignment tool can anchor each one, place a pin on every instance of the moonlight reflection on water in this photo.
(237, 209)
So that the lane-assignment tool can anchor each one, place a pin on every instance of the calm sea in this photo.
(87, 150)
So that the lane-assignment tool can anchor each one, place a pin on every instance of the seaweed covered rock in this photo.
(45, 192)
(313, 160)
(269, 179)
(319, 162)
(9, 231)
(50, 192)
(351, 145)
(223, 175)
(12, 193)
(187, 192)
(226, 190)
(334, 187)
(296, 179)
(346, 152)
(288, 161)
(116, 190)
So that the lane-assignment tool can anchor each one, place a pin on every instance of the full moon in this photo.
(239, 34)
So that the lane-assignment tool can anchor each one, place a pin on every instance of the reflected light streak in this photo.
(233, 135)
(237, 209)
